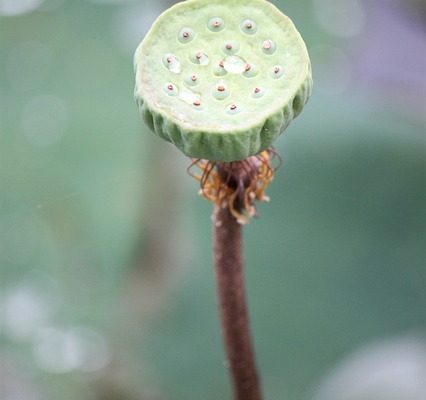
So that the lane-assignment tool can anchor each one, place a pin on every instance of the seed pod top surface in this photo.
(222, 79)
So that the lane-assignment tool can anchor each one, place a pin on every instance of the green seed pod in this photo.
(222, 79)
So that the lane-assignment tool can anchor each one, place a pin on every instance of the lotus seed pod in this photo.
(222, 79)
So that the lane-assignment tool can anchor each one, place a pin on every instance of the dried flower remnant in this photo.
(237, 185)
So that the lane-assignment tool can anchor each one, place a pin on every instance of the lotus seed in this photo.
(258, 92)
(186, 35)
(170, 89)
(200, 58)
(233, 109)
(219, 69)
(192, 80)
(231, 47)
(221, 92)
(250, 70)
(269, 47)
(277, 72)
(216, 24)
(172, 63)
(248, 26)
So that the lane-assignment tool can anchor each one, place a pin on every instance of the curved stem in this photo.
(228, 262)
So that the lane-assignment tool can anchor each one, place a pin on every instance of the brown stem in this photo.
(233, 310)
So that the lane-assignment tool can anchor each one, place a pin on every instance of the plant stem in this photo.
(228, 262)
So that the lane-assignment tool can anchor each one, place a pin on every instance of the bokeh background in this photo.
(106, 286)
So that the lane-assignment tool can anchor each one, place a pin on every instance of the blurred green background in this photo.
(106, 286)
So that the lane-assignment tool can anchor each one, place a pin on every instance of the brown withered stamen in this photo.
(237, 185)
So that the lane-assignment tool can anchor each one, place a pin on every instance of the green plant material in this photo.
(222, 79)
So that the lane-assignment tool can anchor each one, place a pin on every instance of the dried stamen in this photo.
(239, 184)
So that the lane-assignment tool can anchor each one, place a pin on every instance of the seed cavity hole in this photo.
(250, 70)
(216, 24)
(186, 35)
(191, 98)
(248, 26)
(277, 71)
(171, 89)
(231, 47)
(269, 47)
(258, 92)
(172, 63)
(233, 109)
(234, 64)
(192, 80)
(221, 91)
(199, 57)
(219, 69)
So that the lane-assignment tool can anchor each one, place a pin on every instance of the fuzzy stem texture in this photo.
(228, 260)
